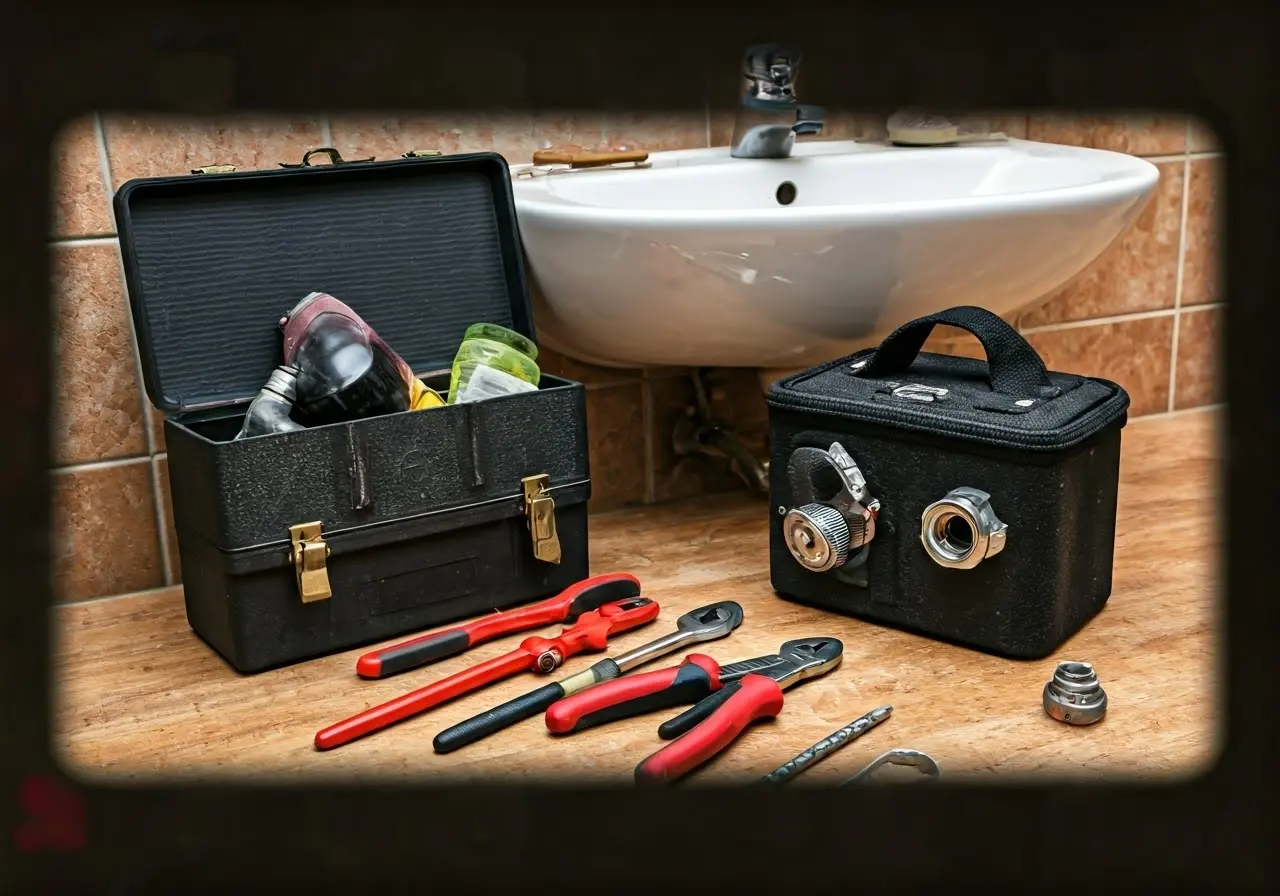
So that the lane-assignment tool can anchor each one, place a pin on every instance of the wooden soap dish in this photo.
(578, 158)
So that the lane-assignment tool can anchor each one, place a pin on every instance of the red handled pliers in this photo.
(591, 632)
(579, 598)
(726, 700)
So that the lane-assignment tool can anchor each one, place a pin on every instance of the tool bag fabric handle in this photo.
(1014, 367)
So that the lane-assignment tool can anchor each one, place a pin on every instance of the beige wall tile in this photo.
(1198, 380)
(1138, 272)
(165, 498)
(1202, 275)
(81, 206)
(1007, 123)
(516, 136)
(945, 341)
(657, 131)
(157, 428)
(1133, 353)
(98, 411)
(616, 438)
(155, 146)
(1202, 137)
(105, 539)
(1141, 135)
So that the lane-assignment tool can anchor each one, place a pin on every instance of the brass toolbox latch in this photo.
(310, 562)
(540, 510)
(214, 169)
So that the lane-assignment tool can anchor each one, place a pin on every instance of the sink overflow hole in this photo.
(786, 193)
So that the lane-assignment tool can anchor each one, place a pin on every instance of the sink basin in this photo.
(705, 260)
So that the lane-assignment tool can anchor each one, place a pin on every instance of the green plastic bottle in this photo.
(492, 361)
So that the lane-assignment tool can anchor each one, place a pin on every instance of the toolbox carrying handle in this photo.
(1014, 367)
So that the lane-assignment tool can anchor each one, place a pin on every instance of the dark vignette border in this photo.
(63, 62)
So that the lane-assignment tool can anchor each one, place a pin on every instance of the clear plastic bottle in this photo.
(492, 361)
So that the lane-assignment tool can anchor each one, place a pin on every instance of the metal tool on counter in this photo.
(834, 521)
(1074, 694)
(703, 624)
(696, 677)
(828, 745)
(578, 598)
(709, 727)
(913, 758)
(590, 632)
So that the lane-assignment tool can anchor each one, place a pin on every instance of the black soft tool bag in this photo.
(1016, 560)
(302, 543)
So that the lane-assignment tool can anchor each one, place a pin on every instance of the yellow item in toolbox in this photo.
(422, 396)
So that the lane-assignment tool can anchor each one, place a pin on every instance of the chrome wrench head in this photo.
(806, 658)
(703, 624)
(793, 663)
(709, 622)
(922, 762)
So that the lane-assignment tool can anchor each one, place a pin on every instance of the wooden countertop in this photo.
(138, 695)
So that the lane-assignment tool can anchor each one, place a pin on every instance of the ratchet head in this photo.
(805, 658)
(709, 622)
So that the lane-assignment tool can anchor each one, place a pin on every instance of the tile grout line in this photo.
(148, 420)
(104, 169)
(145, 592)
(650, 443)
(95, 465)
(706, 118)
(326, 132)
(1178, 277)
(1097, 321)
(97, 239)
(162, 530)
(1180, 156)
(1180, 412)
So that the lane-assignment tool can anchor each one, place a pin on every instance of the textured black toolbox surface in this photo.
(423, 511)
(1045, 446)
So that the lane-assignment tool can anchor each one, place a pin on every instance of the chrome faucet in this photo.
(769, 117)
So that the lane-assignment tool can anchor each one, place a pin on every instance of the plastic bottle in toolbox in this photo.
(492, 361)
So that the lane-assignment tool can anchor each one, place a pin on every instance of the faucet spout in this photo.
(769, 116)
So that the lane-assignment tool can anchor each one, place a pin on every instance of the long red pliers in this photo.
(590, 633)
(569, 604)
(726, 700)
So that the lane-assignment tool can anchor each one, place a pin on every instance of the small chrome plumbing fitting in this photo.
(1074, 695)
(961, 530)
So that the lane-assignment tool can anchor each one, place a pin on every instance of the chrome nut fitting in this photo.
(1074, 695)
(962, 530)
(835, 518)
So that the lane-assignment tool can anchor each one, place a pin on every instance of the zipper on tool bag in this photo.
(988, 433)
(919, 419)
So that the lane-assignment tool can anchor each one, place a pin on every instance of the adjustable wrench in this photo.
(703, 624)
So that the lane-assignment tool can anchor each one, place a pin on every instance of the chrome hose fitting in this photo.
(819, 537)
(1074, 695)
(836, 516)
(962, 530)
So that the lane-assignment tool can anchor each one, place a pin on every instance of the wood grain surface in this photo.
(139, 696)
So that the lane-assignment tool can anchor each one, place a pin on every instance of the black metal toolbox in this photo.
(298, 544)
(974, 501)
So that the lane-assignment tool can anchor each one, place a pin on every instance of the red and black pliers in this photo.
(726, 700)
(569, 604)
(590, 633)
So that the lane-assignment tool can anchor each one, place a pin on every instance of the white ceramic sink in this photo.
(694, 260)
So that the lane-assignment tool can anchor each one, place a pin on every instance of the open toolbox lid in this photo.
(421, 248)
